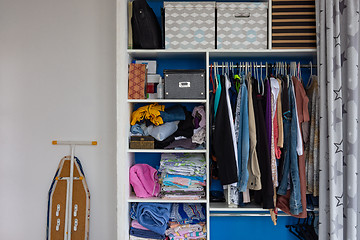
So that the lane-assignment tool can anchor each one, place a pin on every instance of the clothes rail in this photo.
(69, 193)
(260, 65)
(257, 214)
(245, 214)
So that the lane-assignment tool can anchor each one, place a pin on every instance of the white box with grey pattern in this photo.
(189, 25)
(242, 25)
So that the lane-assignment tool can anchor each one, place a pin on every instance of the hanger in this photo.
(211, 79)
(310, 78)
(216, 72)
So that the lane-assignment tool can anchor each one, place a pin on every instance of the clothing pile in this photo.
(183, 176)
(173, 126)
(149, 220)
(187, 222)
(259, 138)
(144, 180)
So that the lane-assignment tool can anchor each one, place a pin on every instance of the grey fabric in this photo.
(338, 46)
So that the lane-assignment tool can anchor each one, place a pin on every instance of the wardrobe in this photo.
(223, 222)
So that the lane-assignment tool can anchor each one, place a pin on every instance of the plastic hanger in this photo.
(216, 72)
(310, 78)
(211, 78)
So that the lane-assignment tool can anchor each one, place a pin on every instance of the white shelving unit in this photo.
(125, 156)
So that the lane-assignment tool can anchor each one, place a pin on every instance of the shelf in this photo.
(264, 52)
(167, 100)
(224, 207)
(133, 198)
(166, 151)
(165, 53)
(252, 207)
(154, 53)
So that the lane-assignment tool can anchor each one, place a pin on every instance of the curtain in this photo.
(338, 61)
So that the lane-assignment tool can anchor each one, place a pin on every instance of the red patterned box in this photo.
(137, 81)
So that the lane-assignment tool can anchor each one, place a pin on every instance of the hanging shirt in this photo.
(280, 142)
(223, 146)
(232, 127)
(217, 96)
(254, 182)
(299, 147)
(243, 140)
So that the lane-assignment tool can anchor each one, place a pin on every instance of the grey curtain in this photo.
(338, 52)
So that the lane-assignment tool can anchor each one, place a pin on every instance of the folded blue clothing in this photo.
(185, 213)
(173, 113)
(136, 129)
(153, 216)
(145, 233)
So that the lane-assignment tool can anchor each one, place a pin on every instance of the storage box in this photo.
(242, 25)
(184, 84)
(293, 24)
(150, 65)
(141, 142)
(189, 25)
(137, 81)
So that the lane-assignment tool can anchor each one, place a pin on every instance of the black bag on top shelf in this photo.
(145, 27)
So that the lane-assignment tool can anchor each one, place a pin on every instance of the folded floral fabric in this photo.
(145, 233)
(176, 188)
(185, 228)
(180, 197)
(144, 180)
(190, 234)
(188, 238)
(150, 112)
(140, 238)
(180, 181)
(188, 213)
(153, 216)
(189, 164)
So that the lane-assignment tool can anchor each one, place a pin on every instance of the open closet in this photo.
(242, 68)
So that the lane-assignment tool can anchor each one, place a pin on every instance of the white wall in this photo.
(57, 81)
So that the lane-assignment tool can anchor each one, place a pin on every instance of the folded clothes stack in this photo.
(183, 176)
(149, 220)
(187, 222)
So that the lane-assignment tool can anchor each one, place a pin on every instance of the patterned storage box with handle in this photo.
(189, 25)
(242, 25)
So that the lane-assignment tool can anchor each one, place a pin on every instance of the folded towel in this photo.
(144, 180)
(136, 224)
(153, 216)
